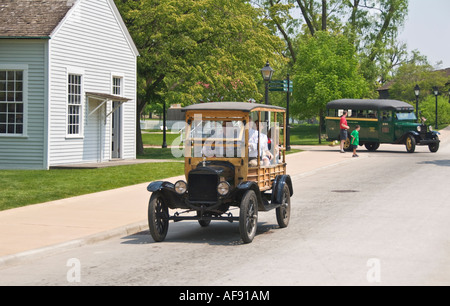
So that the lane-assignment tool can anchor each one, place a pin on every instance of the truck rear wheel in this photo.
(284, 211)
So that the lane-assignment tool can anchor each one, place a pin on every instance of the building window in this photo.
(11, 102)
(117, 86)
(74, 105)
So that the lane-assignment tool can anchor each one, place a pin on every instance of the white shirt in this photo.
(253, 138)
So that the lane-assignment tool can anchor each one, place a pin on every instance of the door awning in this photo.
(105, 98)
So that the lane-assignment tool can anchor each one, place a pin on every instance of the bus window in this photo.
(372, 114)
(386, 116)
(340, 112)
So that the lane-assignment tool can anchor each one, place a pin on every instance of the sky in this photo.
(427, 30)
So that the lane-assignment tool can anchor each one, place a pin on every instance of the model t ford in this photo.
(381, 121)
(234, 159)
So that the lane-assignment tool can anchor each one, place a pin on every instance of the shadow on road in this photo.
(439, 162)
(217, 233)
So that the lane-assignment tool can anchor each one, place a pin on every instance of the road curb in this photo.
(27, 256)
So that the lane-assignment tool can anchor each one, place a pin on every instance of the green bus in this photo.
(381, 121)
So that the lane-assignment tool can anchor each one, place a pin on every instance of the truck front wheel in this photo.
(248, 216)
(158, 217)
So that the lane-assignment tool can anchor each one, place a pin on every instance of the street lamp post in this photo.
(288, 127)
(436, 93)
(164, 144)
(267, 73)
(417, 93)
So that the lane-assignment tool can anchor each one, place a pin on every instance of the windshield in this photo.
(406, 116)
(216, 138)
(226, 138)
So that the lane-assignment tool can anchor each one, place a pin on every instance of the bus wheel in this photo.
(434, 147)
(347, 145)
(372, 146)
(410, 144)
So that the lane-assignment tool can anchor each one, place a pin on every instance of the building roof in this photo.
(231, 106)
(31, 18)
(366, 104)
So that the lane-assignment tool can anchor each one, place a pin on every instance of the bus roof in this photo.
(231, 106)
(366, 104)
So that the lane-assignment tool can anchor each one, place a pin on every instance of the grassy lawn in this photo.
(24, 187)
(159, 153)
(157, 139)
(306, 134)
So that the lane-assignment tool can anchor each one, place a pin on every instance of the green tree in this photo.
(427, 109)
(327, 69)
(416, 72)
(204, 50)
(371, 26)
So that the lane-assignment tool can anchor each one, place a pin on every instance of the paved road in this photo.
(381, 219)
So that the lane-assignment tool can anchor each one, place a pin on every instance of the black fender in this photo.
(167, 191)
(278, 186)
(402, 139)
(158, 185)
(435, 133)
(249, 185)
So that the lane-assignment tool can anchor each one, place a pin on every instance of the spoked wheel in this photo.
(248, 216)
(284, 211)
(158, 217)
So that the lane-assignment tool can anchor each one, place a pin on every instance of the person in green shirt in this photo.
(355, 140)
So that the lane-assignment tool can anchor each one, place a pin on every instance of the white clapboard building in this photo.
(67, 84)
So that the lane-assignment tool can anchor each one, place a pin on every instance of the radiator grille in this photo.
(203, 187)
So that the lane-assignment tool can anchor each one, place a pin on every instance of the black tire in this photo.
(158, 214)
(203, 223)
(248, 216)
(434, 147)
(284, 211)
(372, 146)
(410, 144)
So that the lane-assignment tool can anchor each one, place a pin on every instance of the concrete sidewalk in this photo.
(40, 229)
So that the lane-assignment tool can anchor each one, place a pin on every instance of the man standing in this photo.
(344, 127)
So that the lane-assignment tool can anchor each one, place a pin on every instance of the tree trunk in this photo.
(307, 18)
(324, 15)
(139, 144)
(321, 125)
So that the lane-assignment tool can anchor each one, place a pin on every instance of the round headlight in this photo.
(418, 128)
(180, 187)
(223, 188)
(431, 128)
